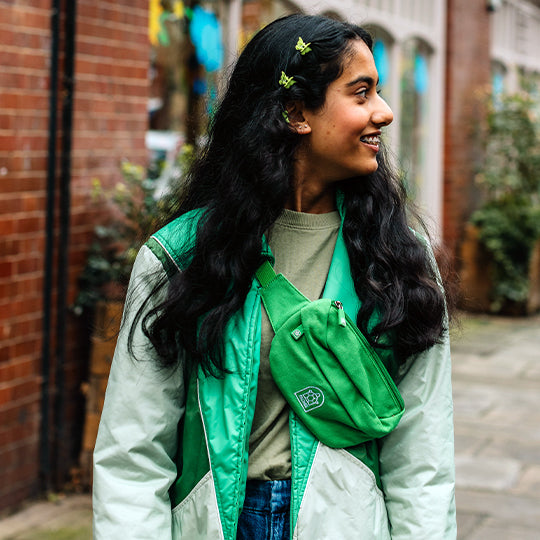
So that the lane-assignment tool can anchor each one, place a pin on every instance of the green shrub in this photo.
(509, 218)
(137, 210)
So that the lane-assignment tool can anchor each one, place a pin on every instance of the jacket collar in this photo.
(339, 284)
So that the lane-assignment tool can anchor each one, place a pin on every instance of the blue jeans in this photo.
(266, 511)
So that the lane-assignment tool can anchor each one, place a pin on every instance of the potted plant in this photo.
(138, 205)
(507, 224)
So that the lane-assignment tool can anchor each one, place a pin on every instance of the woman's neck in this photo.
(311, 194)
(320, 203)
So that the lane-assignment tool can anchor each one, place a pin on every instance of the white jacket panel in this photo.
(341, 500)
(134, 457)
(417, 458)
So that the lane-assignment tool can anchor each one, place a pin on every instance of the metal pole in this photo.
(68, 87)
(44, 461)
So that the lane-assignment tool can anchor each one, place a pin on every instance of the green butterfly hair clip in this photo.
(285, 81)
(302, 47)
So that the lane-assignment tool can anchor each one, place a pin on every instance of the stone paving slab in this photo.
(527, 452)
(67, 518)
(512, 510)
(479, 472)
(496, 530)
(529, 483)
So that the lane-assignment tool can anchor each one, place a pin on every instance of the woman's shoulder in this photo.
(181, 229)
(173, 243)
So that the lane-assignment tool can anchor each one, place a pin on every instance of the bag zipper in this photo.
(341, 313)
(379, 365)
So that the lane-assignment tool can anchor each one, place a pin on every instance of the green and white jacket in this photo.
(171, 455)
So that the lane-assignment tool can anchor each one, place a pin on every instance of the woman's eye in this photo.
(362, 93)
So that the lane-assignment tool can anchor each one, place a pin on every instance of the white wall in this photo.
(515, 39)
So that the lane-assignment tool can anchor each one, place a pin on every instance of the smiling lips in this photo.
(371, 140)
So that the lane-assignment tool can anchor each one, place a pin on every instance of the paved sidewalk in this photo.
(496, 367)
(66, 518)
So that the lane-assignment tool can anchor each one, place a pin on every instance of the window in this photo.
(381, 53)
(498, 76)
(415, 85)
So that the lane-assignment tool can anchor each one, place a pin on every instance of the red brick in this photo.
(25, 326)
(29, 38)
(22, 475)
(29, 266)
(29, 142)
(6, 394)
(12, 496)
(26, 17)
(16, 369)
(116, 13)
(30, 59)
(18, 161)
(24, 80)
(22, 286)
(7, 269)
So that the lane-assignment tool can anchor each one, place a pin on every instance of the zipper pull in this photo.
(341, 313)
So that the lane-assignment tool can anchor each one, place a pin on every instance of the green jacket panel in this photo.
(227, 406)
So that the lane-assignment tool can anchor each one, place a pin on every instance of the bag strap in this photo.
(280, 297)
(265, 273)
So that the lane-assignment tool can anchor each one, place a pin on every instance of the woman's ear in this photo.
(295, 118)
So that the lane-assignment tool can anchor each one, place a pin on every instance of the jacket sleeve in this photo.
(134, 456)
(417, 458)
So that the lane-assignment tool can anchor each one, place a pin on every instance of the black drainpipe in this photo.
(68, 88)
(53, 466)
(44, 461)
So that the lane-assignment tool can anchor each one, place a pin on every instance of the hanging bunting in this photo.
(382, 62)
(205, 33)
(497, 83)
(157, 30)
(421, 74)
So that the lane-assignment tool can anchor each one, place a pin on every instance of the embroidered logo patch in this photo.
(310, 398)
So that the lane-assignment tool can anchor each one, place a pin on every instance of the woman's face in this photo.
(342, 138)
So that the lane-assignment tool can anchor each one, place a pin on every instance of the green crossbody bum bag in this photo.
(328, 372)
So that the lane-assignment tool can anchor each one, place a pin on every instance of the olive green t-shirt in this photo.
(303, 245)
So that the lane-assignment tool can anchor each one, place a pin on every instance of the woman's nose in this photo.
(382, 115)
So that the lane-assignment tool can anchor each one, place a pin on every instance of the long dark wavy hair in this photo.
(243, 180)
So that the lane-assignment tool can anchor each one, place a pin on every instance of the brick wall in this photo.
(24, 82)
(467, 74)
(109, 123)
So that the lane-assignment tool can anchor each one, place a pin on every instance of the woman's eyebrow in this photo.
(363, 78)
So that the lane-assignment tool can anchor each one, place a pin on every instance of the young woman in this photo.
(196, 441)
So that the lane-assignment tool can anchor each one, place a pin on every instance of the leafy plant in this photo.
(509, 219)
(139, 206)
